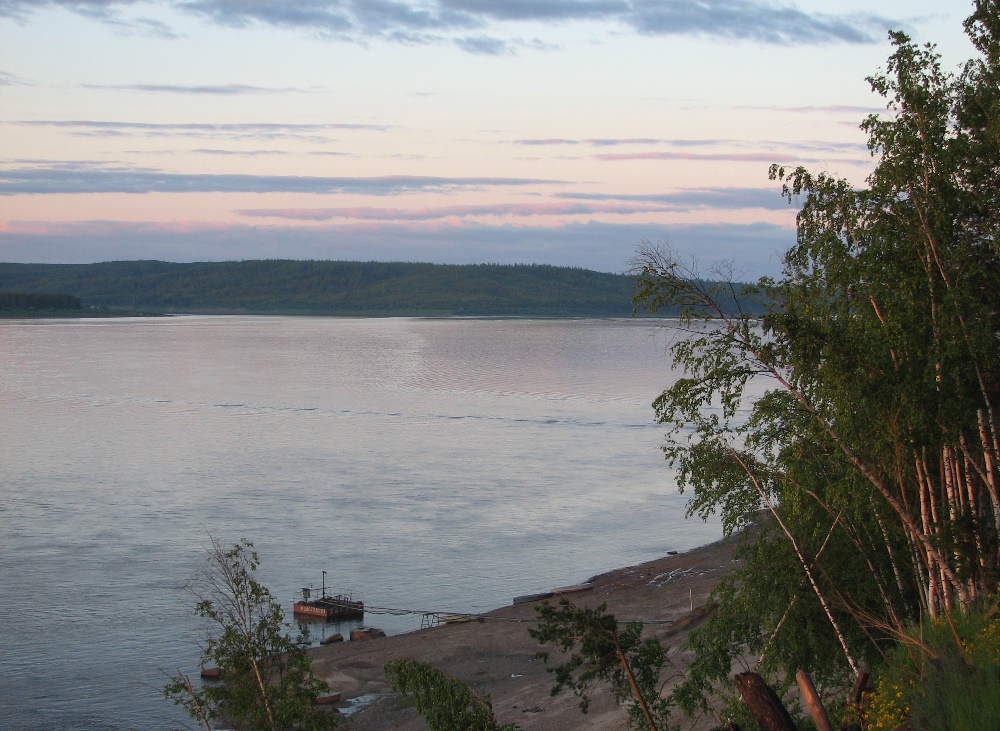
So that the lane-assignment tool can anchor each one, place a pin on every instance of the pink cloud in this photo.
(557, 208)
(108, 228)
(765, 157)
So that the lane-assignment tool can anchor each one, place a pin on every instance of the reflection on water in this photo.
(433, 465)
(313, 631)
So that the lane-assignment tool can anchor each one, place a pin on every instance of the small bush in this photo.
(946, 675)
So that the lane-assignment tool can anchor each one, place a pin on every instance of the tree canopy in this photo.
(858, 412)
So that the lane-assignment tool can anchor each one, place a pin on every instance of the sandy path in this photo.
(496, 655)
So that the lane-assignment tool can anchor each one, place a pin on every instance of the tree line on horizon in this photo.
(30, 301)
(277, 286)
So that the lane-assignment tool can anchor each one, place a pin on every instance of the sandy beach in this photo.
(496, 656)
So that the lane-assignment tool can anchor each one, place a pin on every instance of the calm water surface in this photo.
(426, 464)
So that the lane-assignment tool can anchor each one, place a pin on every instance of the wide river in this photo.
(426, 464)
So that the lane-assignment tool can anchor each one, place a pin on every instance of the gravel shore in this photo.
(495, 655)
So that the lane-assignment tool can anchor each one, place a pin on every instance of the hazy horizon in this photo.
(444, 131)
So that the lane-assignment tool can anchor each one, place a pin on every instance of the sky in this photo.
(561, 132)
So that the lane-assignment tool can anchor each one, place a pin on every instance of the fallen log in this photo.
(764, 705)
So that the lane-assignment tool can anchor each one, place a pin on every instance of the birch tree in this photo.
(873, 439)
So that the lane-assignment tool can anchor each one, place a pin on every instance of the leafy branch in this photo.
(600, 650)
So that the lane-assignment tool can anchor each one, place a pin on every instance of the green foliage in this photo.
(23, 301)
(267, 681)
(445, 703)
(766, 618)
(601, 651)
(858, 412)
(944, 674)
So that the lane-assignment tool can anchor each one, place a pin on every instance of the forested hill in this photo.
(331, 287)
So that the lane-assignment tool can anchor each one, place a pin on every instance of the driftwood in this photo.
(770, 713)
(764, 704)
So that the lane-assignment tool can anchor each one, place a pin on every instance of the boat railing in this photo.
(332, 596)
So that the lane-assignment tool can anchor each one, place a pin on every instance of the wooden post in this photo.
(813, 701)
(764, 705)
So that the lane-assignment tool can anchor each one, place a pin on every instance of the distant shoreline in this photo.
(84, 314)
(337, 288)
(81, 314)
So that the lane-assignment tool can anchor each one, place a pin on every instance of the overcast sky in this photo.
(454, 131)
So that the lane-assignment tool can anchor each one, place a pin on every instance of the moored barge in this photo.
(328, 607)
